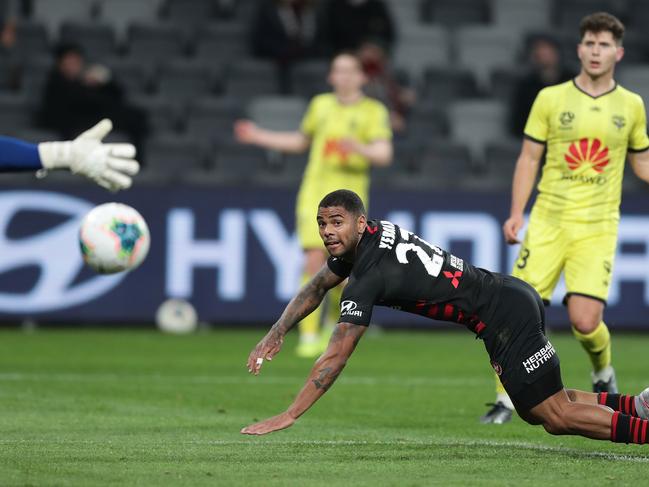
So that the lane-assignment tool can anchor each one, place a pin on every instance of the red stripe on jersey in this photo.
(433, 311)
(633, 410)
(479, 327)
(636, 429)
(614, 425)
(627, 404)
(643, 436)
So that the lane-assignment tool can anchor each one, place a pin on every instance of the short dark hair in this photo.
(346, 199)
(602, 22)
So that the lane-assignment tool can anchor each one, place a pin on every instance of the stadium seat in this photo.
(503, 82)
(97, 40)
(7, 73)
(636, 48)
(500, 161)
(213, 118)
(52, 13)
(150, 44)
(168, 157)
(425, 121)
(521, 14)
(183, 80)
(451, 13)
(32, 41)
(483, 49)
(134, 77)
(420, 48)
(281, 171)
(442, 86)
(248, 78)
(163, 113)
(568, 13)
(277, 112)
(34, 74)
(635, 78)
(189, 13)
(476, 123)
(405, 12)
(122, 13)
(309, 78)
(15, 113)
(221, 42)
(236, 163)
(638, 15)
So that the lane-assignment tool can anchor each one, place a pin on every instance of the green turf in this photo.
(139, 408)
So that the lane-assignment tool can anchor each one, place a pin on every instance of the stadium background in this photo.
(221, 214)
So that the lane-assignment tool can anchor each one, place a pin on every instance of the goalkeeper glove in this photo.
(109, 165)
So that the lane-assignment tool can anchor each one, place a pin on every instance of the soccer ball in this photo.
(176, 316)
(113, 238)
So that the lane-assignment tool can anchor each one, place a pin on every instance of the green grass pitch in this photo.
(140, 408)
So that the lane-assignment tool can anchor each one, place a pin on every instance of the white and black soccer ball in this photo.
(176, 316)
(114, 237)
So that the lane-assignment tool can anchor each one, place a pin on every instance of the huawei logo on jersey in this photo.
(587, 152)
(332, 147)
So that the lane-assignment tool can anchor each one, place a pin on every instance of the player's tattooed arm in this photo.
(304, 303)
(324, 373)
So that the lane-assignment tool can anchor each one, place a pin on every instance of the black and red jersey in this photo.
(394, 267)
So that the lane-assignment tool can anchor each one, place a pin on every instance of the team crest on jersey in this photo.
(619, 121)
(587, 151)
(566, 118)
(497, 368)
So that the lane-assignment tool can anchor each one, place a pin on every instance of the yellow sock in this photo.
(310, 326)
(597, 345)
(499, 386)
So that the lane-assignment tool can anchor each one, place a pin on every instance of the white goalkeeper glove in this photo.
(109, 165)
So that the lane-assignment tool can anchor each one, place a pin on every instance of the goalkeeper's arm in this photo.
(109, 165)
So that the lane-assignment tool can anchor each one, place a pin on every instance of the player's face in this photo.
(340, 230)
(598, 53)
(346, 74)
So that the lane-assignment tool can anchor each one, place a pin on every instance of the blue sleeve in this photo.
(16, 155)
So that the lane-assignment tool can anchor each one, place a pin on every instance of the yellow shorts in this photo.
(306, 211)
(584, 254)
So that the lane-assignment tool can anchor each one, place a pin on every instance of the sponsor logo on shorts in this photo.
(497, 368)
(349, 308)
(539, 358)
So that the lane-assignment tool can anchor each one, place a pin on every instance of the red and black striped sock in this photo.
(627, 429)
(618, 402)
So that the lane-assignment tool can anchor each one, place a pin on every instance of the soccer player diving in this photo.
(389, 266)
(111, 166)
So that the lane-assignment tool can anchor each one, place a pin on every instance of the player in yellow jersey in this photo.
(347, 133)
(586, 126)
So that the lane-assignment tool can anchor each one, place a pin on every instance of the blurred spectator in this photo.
(77, 95)
(383, 85)
(8, 17)
(545, 69)
(284, 31)
(346, 24)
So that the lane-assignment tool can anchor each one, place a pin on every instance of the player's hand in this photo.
(245, 131)
(348, 145)
(511, 227)
(112, 166)
(276, 423)
(266, 349)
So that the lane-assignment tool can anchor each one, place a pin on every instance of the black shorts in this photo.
(520, 353)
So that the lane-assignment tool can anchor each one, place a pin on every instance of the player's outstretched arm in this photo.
(303, 304)
(325, 371)
(640, 164)
(527, 167)
(247, 132)
(111, 166)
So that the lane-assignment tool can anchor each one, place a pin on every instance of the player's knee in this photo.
(555, 424)
(585, 324)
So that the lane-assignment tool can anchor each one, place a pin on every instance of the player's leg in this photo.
(588, 272)
(309, 327)
(637, 405)
(539, 263)
(561, 416)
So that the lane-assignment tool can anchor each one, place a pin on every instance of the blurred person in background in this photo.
(347, 133)
(346, 24)
(545, 68)
(9, 10)
(384, 85)
(284, 31)
(76, 94)
(586, 127)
